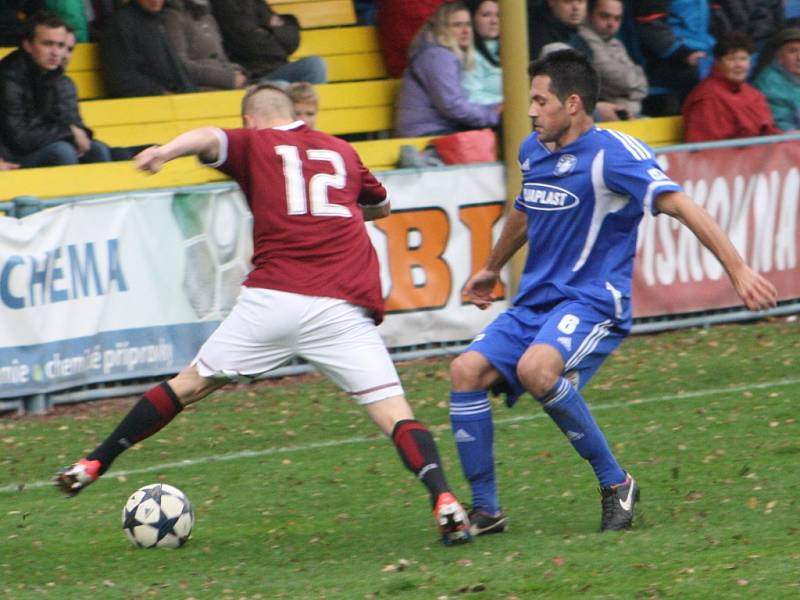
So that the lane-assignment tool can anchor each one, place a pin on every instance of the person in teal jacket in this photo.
(73, 12)
(778, 78)
(484, 81)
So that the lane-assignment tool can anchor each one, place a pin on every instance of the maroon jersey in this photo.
(304, 188)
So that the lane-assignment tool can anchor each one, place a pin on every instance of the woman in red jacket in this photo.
(724, 106)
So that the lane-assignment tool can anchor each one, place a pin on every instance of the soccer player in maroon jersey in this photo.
(314, 290)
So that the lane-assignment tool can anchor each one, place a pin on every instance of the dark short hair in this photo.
(592, 4)
(570, 73)
(731, 41)
(42, 18)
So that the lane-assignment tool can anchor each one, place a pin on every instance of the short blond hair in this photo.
(267, 100)
(302, 91)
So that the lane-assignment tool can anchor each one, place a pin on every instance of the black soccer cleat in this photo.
(484, 523)
(618, 504)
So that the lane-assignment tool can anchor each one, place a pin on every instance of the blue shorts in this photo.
(583, 335)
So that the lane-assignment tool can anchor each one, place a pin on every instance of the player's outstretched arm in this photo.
(514, 235)
(755, 291)
(203, 142)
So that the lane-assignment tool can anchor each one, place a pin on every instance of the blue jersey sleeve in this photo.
(524, 161)
(631, 169)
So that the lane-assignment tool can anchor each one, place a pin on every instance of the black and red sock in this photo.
(157, 407)
(418, 451)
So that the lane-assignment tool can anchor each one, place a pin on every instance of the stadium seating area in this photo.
(359, 100)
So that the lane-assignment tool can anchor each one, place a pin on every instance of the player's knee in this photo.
(536, 379)
(467, 372)
(189, 386)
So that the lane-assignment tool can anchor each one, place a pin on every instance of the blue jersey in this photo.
(584, 203)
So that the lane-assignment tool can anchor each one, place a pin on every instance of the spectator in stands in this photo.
(759, 19)
(676, 43)
(6, 165)
(555, 21)
(432, 100)
(73, 13)
(778, 77)
(397, 22)
(484, 81)
(68, 100)
(262, 41)
(306, 102)
(193, 32)
(98, 14)
(791, 11)
(724, 106)
(623, 83)
(13, 14)
(365, 12)
(138, 58)
(38, 125)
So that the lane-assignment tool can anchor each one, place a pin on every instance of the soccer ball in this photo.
(216, 227)
(158, 516)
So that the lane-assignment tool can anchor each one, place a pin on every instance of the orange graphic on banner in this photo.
(417, 239)
(480, 220)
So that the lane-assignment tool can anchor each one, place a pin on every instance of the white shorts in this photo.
(268, 327)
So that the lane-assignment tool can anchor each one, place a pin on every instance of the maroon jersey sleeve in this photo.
(232, 159)
(372, 190)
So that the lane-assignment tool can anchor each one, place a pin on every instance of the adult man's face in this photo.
(151, 6)
(788, 56)
(69, 48)
(606, 18)
(549, 116)
(47, 46)
(569, 12)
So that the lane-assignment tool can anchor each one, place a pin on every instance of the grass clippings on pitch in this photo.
(297, 496)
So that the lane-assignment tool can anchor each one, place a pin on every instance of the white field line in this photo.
(362, 440)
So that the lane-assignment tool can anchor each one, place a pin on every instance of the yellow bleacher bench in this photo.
(655, 131)
(351, 53)
(317, 13)
(354, 107)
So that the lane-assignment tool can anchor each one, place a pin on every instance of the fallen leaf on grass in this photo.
(400, 565)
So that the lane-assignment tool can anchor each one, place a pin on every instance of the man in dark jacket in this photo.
(676, 43)
(138, 59)
(556, 21)
(13, 14)
(5, 164)
(757, 18)
(34, 122)
(262, 41)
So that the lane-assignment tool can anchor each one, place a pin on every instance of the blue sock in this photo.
(568, 409)
(473, 430)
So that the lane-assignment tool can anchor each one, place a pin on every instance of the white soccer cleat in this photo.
(71, 480)
(452, 520)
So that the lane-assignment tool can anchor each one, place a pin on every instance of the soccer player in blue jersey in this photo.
(584, 192)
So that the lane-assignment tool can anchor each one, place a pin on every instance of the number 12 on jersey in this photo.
(296, 197)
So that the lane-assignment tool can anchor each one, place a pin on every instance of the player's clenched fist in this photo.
(151, 159)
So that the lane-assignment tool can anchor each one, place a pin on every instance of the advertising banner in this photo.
(130, 286)
(112, 289)
(753, 193)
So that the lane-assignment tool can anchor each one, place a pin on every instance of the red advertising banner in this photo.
(753, 193)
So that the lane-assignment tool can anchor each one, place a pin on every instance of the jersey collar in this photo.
(289, 126)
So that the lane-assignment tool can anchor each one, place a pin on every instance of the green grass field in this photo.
(297, 496)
